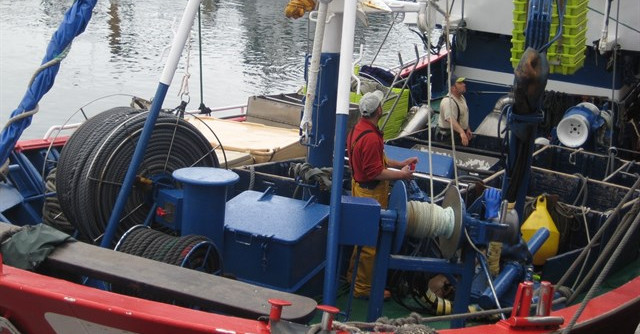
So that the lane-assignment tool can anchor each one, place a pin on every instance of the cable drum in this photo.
(97, 162)
(427, 220)
(189, 251)
(69, 164)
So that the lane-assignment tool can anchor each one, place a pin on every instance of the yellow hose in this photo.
(295, 9)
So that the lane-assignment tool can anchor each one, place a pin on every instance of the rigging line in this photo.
(173, 137)
(382, 43)
(605, 255)
(605, 271)
(52, 62)
(595, 238)
(429, 110)
(613, 76)
(586, 231)
(200, 56)
(617, 21)
(465, 315)
(448, 45)
(483, 262)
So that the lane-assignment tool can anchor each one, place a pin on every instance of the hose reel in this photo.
(189, 251)
(95, 160)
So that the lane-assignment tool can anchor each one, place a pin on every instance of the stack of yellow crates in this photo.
(566, 55)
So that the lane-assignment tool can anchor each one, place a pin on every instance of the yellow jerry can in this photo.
(540, 218)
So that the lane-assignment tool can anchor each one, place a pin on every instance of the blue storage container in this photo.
(442, 165)
(274, 241)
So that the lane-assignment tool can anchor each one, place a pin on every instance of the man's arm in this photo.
(403, 174)
(464, 137)
(399, 164)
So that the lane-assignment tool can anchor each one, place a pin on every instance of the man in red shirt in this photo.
(371, 175)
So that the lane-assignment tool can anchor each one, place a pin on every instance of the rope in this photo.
(586, 231)
(428, 220)
(605, 256)
(184, 87)
(605, 271)
(309, 174)
(52, 214)
(21, 116)
(252, 177)
(449, 68)
(598, 234)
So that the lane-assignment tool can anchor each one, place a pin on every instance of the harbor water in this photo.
(246, 48)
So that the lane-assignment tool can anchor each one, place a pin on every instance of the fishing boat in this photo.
(136, 223)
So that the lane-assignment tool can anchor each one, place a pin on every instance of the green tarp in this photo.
(26, 247)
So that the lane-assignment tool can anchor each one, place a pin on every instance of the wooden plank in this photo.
(185, 286)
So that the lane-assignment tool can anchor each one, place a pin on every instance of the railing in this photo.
(232, 111)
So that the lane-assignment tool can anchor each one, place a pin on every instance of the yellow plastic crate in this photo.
(521, 5)
(569, 46)
(520, 15)
(567, 69)
(519, 26)
(571, 19)
(572, 9)
(567, 58)
(570, 30)
(517, 44)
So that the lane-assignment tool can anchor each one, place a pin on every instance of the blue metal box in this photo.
(442, 165)
(274, 241)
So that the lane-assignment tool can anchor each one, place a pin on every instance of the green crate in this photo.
(571, 19)
(520, 5)
(570, 30)
(517, 44)
(519, 25)
(567, 58)
(571, 46)
(572, 9)
(519, 15)
(567, 69)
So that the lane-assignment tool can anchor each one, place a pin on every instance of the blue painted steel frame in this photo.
(324, 106)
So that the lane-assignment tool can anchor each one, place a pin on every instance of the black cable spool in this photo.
(95, 164)
(69, 162)
(189, 251)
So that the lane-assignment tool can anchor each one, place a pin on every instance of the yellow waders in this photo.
(364, 274)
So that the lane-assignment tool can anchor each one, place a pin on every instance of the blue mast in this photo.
(163, 86)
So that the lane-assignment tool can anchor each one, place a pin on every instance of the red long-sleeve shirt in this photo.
(366, 156)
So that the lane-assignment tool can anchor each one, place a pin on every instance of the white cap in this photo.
(370, 102)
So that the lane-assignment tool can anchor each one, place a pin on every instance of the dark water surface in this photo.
(248, 48)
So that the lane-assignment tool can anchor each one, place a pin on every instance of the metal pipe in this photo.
(312, 83)
(342, 115)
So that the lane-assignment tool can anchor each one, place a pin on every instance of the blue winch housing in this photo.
(274, 241)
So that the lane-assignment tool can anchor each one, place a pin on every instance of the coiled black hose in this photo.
(52, 214)
(94, 162)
